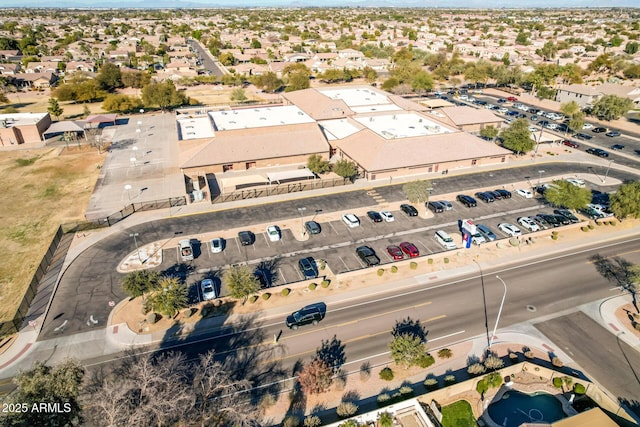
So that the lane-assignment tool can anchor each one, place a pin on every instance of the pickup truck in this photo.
(367, 255)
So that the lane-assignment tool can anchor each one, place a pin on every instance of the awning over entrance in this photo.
(228, 184)
(290, 175)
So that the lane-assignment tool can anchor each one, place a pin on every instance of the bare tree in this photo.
(620, 272)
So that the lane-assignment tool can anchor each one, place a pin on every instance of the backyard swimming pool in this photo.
(515, 408)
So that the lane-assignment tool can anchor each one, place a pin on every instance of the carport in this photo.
(290, 175)
(64, 127)
(102, 118)
(229, 184)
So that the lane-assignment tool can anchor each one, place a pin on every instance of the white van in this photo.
(445, 240)
(186, 250)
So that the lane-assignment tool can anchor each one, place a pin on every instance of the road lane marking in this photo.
(616, 256)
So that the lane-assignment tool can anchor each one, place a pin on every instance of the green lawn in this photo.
(458, 414)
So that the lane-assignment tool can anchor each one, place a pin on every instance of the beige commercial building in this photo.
(23, 128)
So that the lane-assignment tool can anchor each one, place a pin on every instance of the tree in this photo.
(241, 282)
(631, 48)
(298, 80)
(407, 349)
(170, 297)
(569, 108)
(315, 377)
(268, 81)
(417, 191)
(390, 84)
(43, 384)
(54, 108)
(345, 169)
(517, 137)
(620, 272)
(238, 95)
(564, 194)
(422, 81)
(611, 107)
(135, 79)
(3, 98)
(385, 419)
(139, 282)
(163, 95)
(317, 164)
(121, 103)
(576, 122)
(109, 77)
(489, 132)
(626, 201)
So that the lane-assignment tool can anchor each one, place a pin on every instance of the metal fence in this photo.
(275, 189)
(141, 207)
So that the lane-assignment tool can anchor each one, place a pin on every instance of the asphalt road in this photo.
(609, 360)
(82, 300)
(205, 57)
(450, 311)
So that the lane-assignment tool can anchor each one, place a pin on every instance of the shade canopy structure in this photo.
(290, 175)
(64, 126)
(102, 118)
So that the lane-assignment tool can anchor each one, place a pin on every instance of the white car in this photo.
(217, 245)
(387, 216)
(527, 194)
(208, 290)
(503, 110)
(351, 220)
(273, 232)
(533, 129)
(587, 126)
(575, 181)
(528, 223)
(509, 229)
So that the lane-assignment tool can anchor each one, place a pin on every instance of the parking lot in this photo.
(276, 262)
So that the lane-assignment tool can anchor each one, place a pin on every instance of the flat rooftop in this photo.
(338, 129)
(195, 128)
(393, 126)
(20, 119)
(250, 118)
(361, 99)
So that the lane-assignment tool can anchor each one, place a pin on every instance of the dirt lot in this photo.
(42, 188)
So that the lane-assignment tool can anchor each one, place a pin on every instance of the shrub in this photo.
(493, 362)
(494, 379)
(312, 421)
(340, 382)
(325, 283)
(612, 223)
(637, 326)
(426, 360)
(554, 237)
(431, 383)
(482, 386)
(285, 292)
(445, 353)
(529, 354)
(187, 312)
(584, 228)
(291, 421)
(266, 296)
(394, 269)
(322, 264)
(557, 362)
(557, 382)
(346, 409)
(253, 298)
(267, 401)
(152, 318)
(365, 372)
(380, 271)
(413, 265)
(450, 379)
(446, 260)
(406, 391)
(579, 388)
(514, 357)
(430, 261)
(312, 286)
(386, 374)
(591, 226)
(383, 399)
(476, 369)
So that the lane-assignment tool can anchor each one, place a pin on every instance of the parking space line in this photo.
(237, 245)
(334, 229)
(266, 239)
(425, 246)
(344, 263)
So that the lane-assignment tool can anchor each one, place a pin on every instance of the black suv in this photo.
(374, 216)
(468, 201)
(408, 210)
(304, 316)
(582, 136)
(308, 267)
(436, 207)
(503, 193)
(597, 152)
(246, 238)
(485, 197)
(312, 227)
(565, 213)
(367, 255)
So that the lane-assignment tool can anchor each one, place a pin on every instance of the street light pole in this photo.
(484, 300)
(135, 242)
(606, 174)
(301, 212)
(504, 295)
(540, 177)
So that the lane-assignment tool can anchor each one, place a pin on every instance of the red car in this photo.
(395, 252)
(409, 249)
(570, 143)
(512, 99)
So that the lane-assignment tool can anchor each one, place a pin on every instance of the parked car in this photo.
(485, 197)
(512, 99)
(587, 126)
(544, 225)
(617, 147)
(308, 267)
(409, 249)
(509, 229)
(567, 214)
(496, 195)
(445, 240)
(486, 232)
(591, 213)
(273, 231)
(468, 201)
(562, 219)
(312, 227)
(217, 245)
(597, 152)
(528, 223)
(208, 290)
(367, 255)
(246, 238)
(186, 250)
(599, 130)
(527, 194)
(306, 315)
(551, 220)
(408, 210)
(435, 207)
(395, 252)
(570, 143)
(374, 216)
(387, 216)
(583, 136)
(351, 220)
(446, 204)
(504, 193)
(575, 181)
(613, 134)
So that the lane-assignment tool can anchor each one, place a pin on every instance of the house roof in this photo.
(594, 417)
(317, 105)
(260, 143)
(464, 115)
